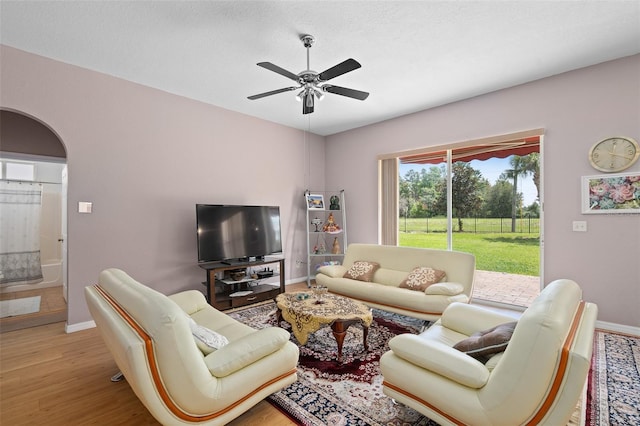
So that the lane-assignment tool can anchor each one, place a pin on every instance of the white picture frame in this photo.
(315, 201)
(611, 194)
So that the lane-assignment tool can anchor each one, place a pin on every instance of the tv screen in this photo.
(227, 232)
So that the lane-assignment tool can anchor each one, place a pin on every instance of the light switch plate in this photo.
(580, 226)
(84, 207)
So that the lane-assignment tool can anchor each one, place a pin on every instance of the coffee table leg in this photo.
(278, 316)
(339, 329)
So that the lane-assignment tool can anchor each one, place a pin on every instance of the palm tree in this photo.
(532, 165)
(518, 168)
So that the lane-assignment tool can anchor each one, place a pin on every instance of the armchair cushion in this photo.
(362, 270)
(246, 350)
(441, 359)
(422, 277)
(487, 342)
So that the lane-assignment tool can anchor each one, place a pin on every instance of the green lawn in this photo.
(500, 252)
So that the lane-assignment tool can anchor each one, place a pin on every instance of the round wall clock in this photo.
(614, 154)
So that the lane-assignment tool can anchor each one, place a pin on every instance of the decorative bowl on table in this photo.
(237, 275)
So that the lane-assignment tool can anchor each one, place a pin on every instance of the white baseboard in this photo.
(296, 280)
(618, 328)
(79, 327)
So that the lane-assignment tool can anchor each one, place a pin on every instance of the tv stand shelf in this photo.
(219, 290)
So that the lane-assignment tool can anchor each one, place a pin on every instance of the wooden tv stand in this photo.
(220, 286)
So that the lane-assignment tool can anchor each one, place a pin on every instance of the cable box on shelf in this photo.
(265, 273)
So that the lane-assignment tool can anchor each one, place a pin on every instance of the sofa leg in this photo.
(117, 377)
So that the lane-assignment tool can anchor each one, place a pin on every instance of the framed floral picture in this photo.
(610, 194)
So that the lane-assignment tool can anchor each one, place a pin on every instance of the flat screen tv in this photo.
(228, 233)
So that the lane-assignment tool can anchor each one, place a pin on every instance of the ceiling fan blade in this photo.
(277, 69)
(273, 92)
(341, 68)
(350, 93)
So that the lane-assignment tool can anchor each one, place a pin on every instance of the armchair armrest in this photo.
(468, 319)
(246, 350)
(333, 271)
(441, 359)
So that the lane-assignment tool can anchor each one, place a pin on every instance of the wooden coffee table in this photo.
(304, 313)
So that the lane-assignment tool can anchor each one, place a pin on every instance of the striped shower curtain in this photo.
(20, 205)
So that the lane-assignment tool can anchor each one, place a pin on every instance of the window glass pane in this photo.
(495, 216)
(20, 171)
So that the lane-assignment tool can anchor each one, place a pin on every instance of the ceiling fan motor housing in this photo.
(307, 40)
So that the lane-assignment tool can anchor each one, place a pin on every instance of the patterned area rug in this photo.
(346, 393)
(613, 392)
(350, 393)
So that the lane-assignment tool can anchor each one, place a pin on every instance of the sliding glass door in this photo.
(482, 198)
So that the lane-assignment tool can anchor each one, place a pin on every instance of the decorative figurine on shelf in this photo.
(319, 249)
(331, 226)
(336, 246)
(334, 203)
(317, 222)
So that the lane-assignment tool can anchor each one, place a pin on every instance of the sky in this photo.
(491, 170)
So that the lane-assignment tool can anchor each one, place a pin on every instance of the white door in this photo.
(63, 237)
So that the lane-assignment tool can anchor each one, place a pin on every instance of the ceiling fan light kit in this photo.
(311, 82)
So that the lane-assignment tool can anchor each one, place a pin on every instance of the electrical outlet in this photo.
(579, 226)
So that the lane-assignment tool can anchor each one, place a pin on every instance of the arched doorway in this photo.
(33, 160)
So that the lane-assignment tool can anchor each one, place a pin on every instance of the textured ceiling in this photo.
(414, 54)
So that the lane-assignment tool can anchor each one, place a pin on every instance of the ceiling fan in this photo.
(313, 83)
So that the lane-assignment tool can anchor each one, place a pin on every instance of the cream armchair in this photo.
(536, 380)
(150, 337)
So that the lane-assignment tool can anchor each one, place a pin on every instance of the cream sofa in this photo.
(537, 380)
(150, 338)
(396, 263)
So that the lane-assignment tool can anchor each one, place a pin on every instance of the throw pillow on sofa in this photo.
(362, 270)
(422, 277)
(206, 339)
(487, 342)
